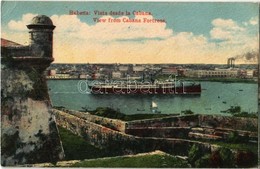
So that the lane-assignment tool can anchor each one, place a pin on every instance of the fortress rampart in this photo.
(174, 135)
(29, 133)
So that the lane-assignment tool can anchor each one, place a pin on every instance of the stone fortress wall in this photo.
(28, 129)
(170, 134)
(120, 143)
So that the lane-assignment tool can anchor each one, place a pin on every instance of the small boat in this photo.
(241, 90)
(154, 107)
(224, 102)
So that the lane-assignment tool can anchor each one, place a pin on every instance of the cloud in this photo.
(71, 26)
(223, 23)
(253, 21)
(76, 41)
(21, 25)
(236, 37)
(225, 29)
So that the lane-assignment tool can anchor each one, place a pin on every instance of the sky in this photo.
(208, 32)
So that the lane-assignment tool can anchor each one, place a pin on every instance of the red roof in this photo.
(8, 43)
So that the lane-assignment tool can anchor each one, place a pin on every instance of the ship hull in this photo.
(193, 90)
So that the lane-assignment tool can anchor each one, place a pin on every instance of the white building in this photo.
(123, 68)
(169, 71)
(249, 73)
(212, 73)
(138, 68)
(52, 72)
(116, 75)
(60, 76)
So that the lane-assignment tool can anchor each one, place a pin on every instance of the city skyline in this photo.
(208, 33)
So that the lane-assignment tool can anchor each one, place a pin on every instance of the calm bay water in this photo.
(215, 97)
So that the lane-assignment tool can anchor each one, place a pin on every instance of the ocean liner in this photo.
(167, 87)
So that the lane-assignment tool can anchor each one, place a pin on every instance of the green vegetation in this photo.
(116, 114)
(76, 148)
(246, 114)
(233, 110)
(227, 80)
(145, 161)
(235, 142)
(227, 157)
(59, 107)
(233, 137)
(203, 162)
(236, 112)
(187, 112)
(222, 157)
(237, 146)
(194, 154)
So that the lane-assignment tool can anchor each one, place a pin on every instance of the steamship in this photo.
(167, 87)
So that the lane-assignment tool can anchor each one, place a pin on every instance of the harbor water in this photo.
(215, 97)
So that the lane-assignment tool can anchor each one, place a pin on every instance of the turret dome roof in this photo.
(41, 20)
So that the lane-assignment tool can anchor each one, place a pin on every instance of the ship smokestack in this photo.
(231, 62)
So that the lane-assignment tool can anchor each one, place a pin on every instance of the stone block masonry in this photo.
(228, 122)
(205, 125)
(174, 135)
(29, 133)
(119, 143)
(114, 124)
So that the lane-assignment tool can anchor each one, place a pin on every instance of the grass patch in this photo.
(143, 116)
(116, 114)
(237, 146)
(76, 148)
(246, 114)
(146, 161)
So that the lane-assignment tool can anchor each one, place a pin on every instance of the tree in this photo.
(215, 160)
(233, 137)
(203, 162)
(194, 154)
(227, 157)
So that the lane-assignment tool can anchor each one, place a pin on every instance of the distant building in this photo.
(52, 72)
(116, 75)
(83, 76)
(212, 73)
(218, 73)
(255, 73)
(96, 75)
(138, 68)
(123, 68)
(60, 76)
(250, 73)
(8, 43)
(169, 71)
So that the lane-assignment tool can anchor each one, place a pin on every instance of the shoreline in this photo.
(254, 81)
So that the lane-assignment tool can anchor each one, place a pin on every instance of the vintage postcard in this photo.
(129, 84)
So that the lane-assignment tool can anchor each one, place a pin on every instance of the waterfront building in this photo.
(169, 71)
(52, 72)
(116, 75)
(138, 68)
(229, 73)
(217, 73)
(123, 68)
